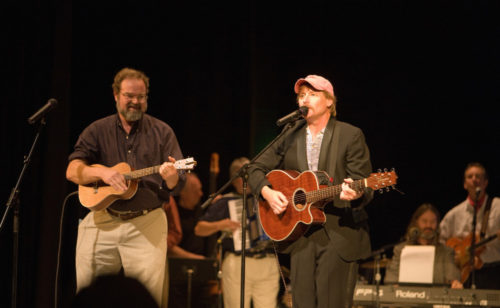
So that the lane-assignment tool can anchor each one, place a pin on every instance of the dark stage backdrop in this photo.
(421, 79)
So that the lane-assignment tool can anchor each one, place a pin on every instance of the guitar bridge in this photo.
(96, 186)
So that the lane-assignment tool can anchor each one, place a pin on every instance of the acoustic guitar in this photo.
(306, 199)
(99, 195)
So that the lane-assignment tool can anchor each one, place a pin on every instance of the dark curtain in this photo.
(421, 80)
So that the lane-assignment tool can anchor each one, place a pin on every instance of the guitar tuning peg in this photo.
(379, 170)
(392, 169)
(381, 191)
(385, 169)
(387, 188)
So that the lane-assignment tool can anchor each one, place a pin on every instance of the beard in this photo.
(132, 115)
(428, 234)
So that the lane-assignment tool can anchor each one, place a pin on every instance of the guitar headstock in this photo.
(185, 164)
(380, 180)
(214, 163)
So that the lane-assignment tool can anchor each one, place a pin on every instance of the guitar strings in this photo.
(321, 194)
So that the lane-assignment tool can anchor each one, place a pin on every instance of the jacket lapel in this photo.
(328, 138)
(301, 150)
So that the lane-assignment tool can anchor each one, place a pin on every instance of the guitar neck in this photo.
(141, 172)
(212, 182)
(485, 240)
(332, 191)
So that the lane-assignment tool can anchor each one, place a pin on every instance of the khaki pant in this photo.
(261, 281)
(106, 243)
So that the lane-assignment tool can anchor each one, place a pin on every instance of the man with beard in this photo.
(128, 235)
(422, 230)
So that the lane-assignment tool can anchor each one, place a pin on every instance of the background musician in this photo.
(457, 225)
(423, 230)
(183, 212)
(261, 269)
(129, 234)
(323, 261)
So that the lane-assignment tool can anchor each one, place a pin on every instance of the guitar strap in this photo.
(486, 215)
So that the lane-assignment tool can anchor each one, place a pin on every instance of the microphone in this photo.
(413, 234)
(294, 116)
(223, 235)
(478, 191)
(42, 111)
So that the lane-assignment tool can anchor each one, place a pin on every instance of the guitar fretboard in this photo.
(332, 191)
(141, 172)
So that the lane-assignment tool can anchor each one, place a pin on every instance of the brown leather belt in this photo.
(126, 215)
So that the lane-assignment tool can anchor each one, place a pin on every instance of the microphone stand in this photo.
(378, 276)
(13, 203)
(243, 173)
(472, 248)
(219, 272)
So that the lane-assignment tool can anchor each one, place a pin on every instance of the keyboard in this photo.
(416, 296)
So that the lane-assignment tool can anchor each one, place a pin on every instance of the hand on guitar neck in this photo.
(349, 194)
(168, 173)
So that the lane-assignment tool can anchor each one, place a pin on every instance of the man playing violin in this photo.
(456, 229)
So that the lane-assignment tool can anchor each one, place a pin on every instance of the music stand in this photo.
(184, 270)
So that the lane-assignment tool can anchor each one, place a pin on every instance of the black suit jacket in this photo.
(343, 154)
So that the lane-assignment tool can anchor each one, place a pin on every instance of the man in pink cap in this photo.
(323, 260)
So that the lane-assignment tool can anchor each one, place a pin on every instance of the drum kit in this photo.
(368, 269)
(372, 264)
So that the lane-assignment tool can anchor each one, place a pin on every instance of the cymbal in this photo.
(372, 264)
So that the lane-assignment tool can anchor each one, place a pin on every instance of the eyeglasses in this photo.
(140, 97)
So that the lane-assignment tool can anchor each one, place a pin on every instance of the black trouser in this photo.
(320, 278)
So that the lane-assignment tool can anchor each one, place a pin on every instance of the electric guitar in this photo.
(99, 195)
(306, 199)
(462, 252)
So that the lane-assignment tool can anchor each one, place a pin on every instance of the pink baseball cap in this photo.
(317, 82)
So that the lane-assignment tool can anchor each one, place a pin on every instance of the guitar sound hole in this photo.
(299, 199)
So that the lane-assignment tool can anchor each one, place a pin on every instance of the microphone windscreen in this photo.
(413, 233)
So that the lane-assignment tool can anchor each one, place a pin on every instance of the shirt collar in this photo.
(473, 202)
(321, 132)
